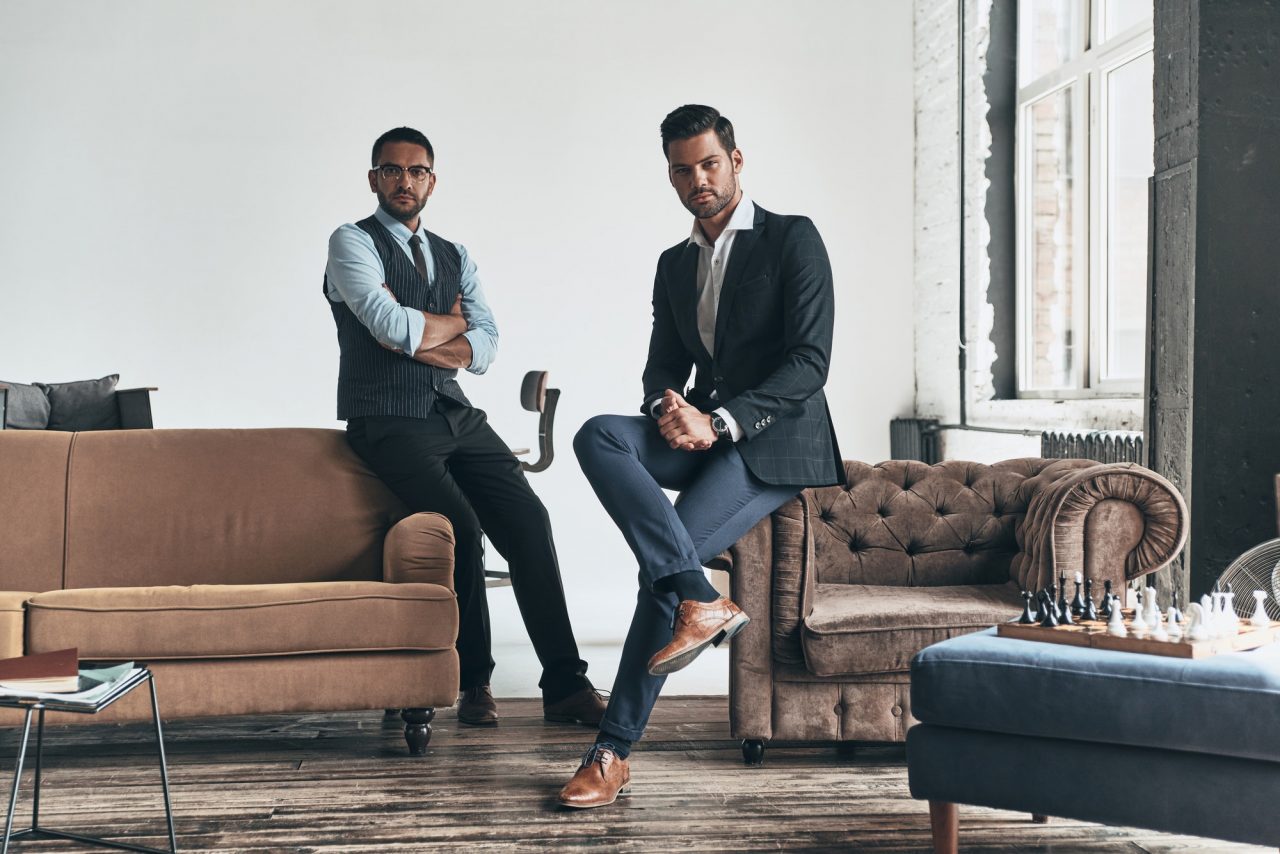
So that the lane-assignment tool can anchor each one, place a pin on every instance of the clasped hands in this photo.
(684, 426)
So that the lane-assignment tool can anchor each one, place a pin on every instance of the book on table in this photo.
(27, 683)
(47, 672)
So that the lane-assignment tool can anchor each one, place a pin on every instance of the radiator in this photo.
(914, 439)
(1105, 446)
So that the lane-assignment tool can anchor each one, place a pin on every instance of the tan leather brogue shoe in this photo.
(476, 707)
(698, 625)
(585, 706)
(600, 778)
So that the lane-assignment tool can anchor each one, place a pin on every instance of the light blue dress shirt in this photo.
(356, 277)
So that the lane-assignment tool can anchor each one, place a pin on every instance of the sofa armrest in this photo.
(134, 405)
(1116, 522)
(419, 549)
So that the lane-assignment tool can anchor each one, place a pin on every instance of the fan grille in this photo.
(1256, 569)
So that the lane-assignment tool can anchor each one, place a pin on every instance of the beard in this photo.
(404, 208)
(720, 199)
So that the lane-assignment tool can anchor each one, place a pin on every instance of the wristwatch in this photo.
(722, 429)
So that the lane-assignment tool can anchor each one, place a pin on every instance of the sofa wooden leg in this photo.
(417, 729)
(1039, 819)
(391, 713)
(944, 818)
(753, 751)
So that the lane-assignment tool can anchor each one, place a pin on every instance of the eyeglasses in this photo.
(392, 172)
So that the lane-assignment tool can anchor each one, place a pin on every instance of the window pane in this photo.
(1052, 276)
(1120, 15)
(1130, 143)
(1049, 35)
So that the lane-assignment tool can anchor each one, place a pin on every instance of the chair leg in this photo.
(753, 751)
(944, 818)
(417, 729)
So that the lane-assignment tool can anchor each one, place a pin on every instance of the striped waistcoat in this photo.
(373, 380)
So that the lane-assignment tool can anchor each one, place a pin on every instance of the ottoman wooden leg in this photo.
(1039, 819)
(417, 729)
(944, 817)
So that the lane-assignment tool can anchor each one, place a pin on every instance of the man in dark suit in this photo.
(747, 301)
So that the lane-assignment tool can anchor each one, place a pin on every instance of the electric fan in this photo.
(1256, 569)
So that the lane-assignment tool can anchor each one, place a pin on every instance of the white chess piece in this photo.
(1229, 611)
(1152, 605)
(1157, 627)
(1207, 617)
(1260, 618)
(1196, 629)
(1175, 623)
(1139, 624)
(1115, 625)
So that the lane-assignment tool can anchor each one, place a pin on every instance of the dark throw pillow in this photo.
(27, 407)
(84, 405)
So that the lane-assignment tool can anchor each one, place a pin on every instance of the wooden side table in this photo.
(31, 706)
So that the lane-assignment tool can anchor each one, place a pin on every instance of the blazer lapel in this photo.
(743, 244)
(684, 296)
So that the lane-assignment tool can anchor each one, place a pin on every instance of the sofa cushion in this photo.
(239, 620)
(26, 407)
(856, 628)
(1223, 705)
(84, 404)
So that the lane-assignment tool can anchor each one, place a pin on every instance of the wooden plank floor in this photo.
(344, 782)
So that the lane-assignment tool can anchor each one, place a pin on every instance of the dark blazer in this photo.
(773, 347)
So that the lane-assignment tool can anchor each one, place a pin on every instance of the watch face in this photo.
(717, 424)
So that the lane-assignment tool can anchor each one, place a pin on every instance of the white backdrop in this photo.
(170, 173)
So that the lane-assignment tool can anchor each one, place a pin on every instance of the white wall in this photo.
(170, 172)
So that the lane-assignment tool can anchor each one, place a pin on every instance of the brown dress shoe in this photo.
(585, 706)
(698, 625)
(601, 777)
(476, 707)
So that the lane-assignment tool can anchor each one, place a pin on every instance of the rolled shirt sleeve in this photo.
(356, 277)
(482, 331)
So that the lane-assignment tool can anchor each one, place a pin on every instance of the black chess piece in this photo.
(1064, 616)
(1104, 613)
(1090, 610)
(1027, 617)
(1077, 603)
(1050, 619)
(1039, 606)
(1064, 610)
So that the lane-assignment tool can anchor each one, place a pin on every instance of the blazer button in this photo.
(718, 379)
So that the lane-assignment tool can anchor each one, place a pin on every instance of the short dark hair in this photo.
(402, 135)
(694, 120)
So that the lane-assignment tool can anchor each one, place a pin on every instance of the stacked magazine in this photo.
(56, 679)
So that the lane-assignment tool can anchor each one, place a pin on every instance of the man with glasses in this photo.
(747, 302)
(410, 312)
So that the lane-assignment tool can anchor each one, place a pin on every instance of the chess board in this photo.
(1093, 633)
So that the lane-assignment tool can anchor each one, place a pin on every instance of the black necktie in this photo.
(419, 260)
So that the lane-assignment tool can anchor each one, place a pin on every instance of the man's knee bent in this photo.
(600, 433)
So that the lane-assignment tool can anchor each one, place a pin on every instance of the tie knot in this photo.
(415, 241)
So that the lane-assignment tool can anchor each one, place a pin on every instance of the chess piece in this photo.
(1090, 610)
(1115, 625)
(1229, 611)
(1027, 617)
(1196, 628)
(1152, 604)
(1064, 610)
(1041, 609)
(1174, 618)
(1050, 619)
(1157, 627)
(1259, 618)
(1077, 601)
(1139, 624)
(1206, 617)
(1105, 611)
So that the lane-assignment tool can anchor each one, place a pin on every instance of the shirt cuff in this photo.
(413, 336)
(653, 408)
(735, 430)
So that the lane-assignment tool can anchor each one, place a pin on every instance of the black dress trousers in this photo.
(453, 463)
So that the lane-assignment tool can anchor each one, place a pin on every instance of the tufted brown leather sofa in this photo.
(255, 571)
(845, 584)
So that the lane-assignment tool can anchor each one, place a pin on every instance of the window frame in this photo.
(1087, 72)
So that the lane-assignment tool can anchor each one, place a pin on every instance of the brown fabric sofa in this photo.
(255, 571)
(845, 584)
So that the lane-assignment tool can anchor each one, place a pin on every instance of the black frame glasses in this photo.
(392, 172)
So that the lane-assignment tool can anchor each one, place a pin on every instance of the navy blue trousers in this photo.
(629, 464)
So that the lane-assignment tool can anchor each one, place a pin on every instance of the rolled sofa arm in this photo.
(1115, 521)
(419, 549)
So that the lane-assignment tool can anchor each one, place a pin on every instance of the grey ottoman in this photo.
(1138, 740)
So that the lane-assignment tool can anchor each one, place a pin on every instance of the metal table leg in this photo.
(17, 778)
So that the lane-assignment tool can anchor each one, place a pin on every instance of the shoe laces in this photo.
(601, 751)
